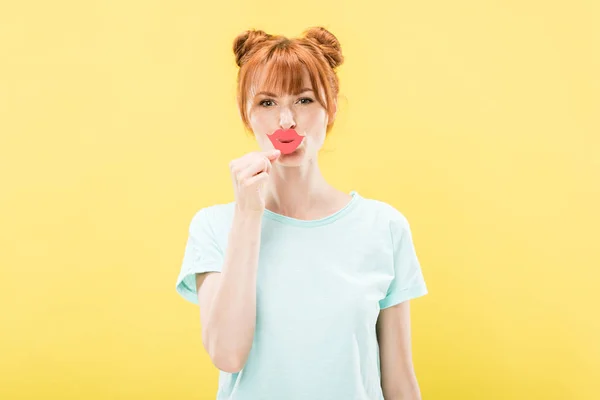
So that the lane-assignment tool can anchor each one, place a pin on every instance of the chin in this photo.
(297, 158)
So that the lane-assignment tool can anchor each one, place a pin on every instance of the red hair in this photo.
(283, 61)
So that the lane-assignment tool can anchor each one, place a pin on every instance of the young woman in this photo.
(303, 289)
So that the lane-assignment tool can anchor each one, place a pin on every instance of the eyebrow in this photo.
(274, 95)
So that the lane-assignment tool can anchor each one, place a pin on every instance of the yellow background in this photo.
(477, 119)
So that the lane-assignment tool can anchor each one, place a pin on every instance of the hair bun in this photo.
(328, 43)
(245, 42)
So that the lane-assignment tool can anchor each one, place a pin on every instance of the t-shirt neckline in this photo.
(355, 197)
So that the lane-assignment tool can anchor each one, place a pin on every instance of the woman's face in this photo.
(268, 112)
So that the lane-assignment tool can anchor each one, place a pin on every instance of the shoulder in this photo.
(384, 212)
(215, 217)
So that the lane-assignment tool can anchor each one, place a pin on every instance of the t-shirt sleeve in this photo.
(408, 282)
(202, 254)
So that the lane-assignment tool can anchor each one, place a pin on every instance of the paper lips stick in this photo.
(285, 140)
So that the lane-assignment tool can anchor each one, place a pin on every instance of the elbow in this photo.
(406, 397)
(411, 395)
(224, 359)
(406, 392)
(414, 395)
(230, 366)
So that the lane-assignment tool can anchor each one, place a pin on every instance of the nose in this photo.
(286, 119)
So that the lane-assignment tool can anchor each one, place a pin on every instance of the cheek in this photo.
(260, 121)
(255, 125)
(260, 126)
(315, 122)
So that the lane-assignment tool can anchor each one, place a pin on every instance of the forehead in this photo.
(280, 79)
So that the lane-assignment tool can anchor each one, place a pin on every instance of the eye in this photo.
(266, 103)
(305, 100)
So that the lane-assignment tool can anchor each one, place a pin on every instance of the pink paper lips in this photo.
(285, 140)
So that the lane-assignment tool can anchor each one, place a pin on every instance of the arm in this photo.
(398, 379)
(228, 299)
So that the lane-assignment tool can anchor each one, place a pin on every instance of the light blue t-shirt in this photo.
(320, 287)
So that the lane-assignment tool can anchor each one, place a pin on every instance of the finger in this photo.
(259, 164)
(271, 158)
(244, 161)
(268, 157)
(261, 178)
(273, 154)
(270, 154)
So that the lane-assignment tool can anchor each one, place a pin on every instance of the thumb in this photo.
(274, 154)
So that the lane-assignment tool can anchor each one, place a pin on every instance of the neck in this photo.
(299, 192)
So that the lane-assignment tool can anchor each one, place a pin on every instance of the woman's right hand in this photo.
(250, 175)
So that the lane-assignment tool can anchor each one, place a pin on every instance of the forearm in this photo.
(232, 318)
(410, 396)
(403, 390)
